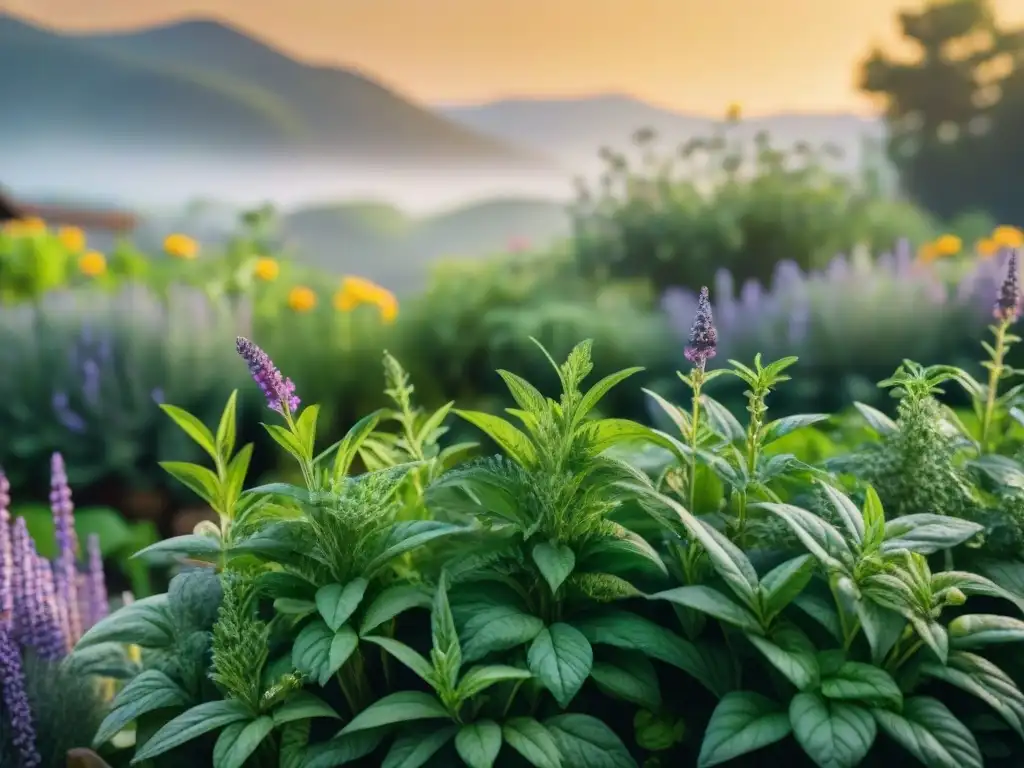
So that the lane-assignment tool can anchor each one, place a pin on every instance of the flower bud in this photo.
(207, 528)
(954, 596)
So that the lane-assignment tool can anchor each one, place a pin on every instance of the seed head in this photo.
(276, 388)
(703, 336)
(1007, 307)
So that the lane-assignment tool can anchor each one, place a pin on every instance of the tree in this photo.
(955, 111)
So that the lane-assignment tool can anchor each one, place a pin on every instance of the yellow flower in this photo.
(266, 269)
(33, 225)
(72, 238)
(1008, 237)
(948, 245)
(927, 253)
(301, 299)
(987, 247)
(388, 305)
(92, 264)
(181, 246)
(344, 300)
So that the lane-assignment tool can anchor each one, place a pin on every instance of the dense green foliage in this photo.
(599, 594)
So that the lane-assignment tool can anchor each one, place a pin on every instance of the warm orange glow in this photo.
(687, 54)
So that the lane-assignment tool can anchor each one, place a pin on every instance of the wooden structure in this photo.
(118, 222)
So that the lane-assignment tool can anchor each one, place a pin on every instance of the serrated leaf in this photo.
(743, 722)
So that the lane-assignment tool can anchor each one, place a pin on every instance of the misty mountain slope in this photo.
(55, 88)
(337, 106)
(202, 86)
(573, 130)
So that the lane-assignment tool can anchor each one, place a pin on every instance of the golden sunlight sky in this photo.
(693, 55)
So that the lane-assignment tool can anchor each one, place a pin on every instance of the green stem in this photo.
(698, 376)
(994, 374)
(904, 657)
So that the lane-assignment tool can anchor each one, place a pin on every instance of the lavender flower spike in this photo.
(99, 605)
(6, 557)
(65, 567)
(703, 336)
(16, 704)
(1007, 306)
(25, 617)
(276, 388)
(50, 639)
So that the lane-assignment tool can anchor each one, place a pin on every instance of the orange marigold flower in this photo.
(301, 299)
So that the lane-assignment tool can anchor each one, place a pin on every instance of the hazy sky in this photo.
(699, 55)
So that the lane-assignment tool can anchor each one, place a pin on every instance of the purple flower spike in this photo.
(52, 638)
(276, 388)
(6, 557)
(703, 336)
(16, 704)
(65, 568)
(99, 605)
(1007, 306)
(23, 586)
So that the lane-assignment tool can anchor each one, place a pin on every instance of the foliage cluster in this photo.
(573, 603)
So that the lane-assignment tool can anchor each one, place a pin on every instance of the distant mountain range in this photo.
(572, 130)
(198, 107)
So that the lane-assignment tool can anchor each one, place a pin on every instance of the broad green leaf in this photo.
(821, 610)
(977, 630)
(833, 734)
(277, 584)
(974, 584)
(555, 563)
(597, 392)
(148, 691)
(586, 742)
(337, 602)
(198, 479)
(931, 733)
(622, 553)
(560, 657)
(391, 602)
(146, 623)
(713, 603)
(774, 430)
(398, 708)
(294, 739)
(516, 444)
(819, 537)
(305, 428)
(874, 521)
(191, 724)
(533, 741)
(677, 415)
(846, 510)
(407, 536)
(621, 629)
(349, 445)
(631, 677)
(1006, 574)
(319, 653)
(226, 427)
(781, 585)
(927, 533)
(877, 420)
(608, 433)
(191, 545)
(342, 750)
(881, 626)
(234, 480)
(933, 634)
(478, 679)
(192, 427)
(289, 491)
(239, 741)
(862, 682)
(302, 705)
(790, 652)
(294, 607)
(412, 750)
(406, 655)
(497, 628)
(103, 660)
(728, 560)
(721, 420)
(743, 722)
(284, 437)
(981, 678)
(479, 743)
